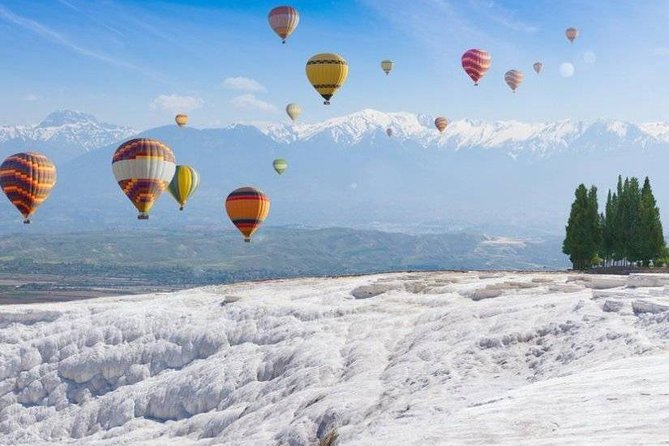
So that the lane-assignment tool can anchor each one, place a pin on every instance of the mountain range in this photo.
(501, 178)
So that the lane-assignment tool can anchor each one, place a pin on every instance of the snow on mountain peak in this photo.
(63, 117)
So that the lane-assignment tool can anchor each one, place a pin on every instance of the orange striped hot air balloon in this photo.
(247, 207)
(513, 79)
(441, 123)
(283, 20)
(538, 66)
(476, 63)
(571, 33)
(27, 180)
(143, 169)
(181, 119)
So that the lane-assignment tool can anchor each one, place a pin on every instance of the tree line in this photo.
(628, 232)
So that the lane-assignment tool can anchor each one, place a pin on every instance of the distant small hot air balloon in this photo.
(294, 111)
(476, 63)
(513, 79)
(571, 33)
(181, 119)
(389, 131)
(283, 20)
(387, 66)
(27, 180)
(280, 165)
(441, 123)
(248, 208)
(327, 73)
(183, 184)
(143, 168)
(538, 67)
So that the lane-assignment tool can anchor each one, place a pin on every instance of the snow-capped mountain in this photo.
(514, 137)
(395, 359)
(62, 135)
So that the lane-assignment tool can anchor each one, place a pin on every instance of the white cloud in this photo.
(250, 102)
(660, 51)
(31, 97)
(241, 83)
(175, 103)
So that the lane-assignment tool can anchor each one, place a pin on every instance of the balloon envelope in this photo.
(441, 123)
(571, 33)
(294, 111)
(327, 72)
(513, 79)
(27, 180)
(143, 168)
(184, 184)
(538, 66)
(181, 119)
(476, 62)
(248, 208)
(283, 20)
(280, 165)
(387, 66)
(389, 131)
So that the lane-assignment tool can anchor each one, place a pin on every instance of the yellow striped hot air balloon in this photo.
(143, 168)
(327, 72)
(181, 119)
(248, 208)
(387, 66)
(184, 184)
(571, 33)
(27, 180)
(294, 111)
(441, 123)
(513, 79)
(283, 20)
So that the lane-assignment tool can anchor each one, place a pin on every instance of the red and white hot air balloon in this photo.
(283, 20)
(513, 79)
(475, 63)
(441, 123)
(538, 66)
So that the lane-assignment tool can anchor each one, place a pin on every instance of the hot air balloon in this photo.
(280, 165)
(247, 207)
(327, 72)
(571, 33)
(476, 63)
(537, 67)
(184, 184)
(513, 79)
(283, 20)
(441, 123)
(143, 168)
(387, 66)
(181, 119)
(389, 131)
(294, 111)
(27, 180)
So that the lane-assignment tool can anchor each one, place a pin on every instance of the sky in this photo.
(137, 63)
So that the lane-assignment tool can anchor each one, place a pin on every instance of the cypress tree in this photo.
(632, 222)
(582, 231)
(651, 238)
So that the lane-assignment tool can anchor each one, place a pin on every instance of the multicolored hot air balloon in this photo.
(294, 111)
(513, 79)
(441, 123)
(283, 20)
(143, 168)
(184, 184)
(247, 207)
(327, 73)
(280, 165)
(476, 63)
(389, 132)
(387, 66)
(571, 33)
(538, 66)
(27, 180)
(181, 119)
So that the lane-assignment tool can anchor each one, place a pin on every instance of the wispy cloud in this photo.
(175, 103)
(660, 51)
(89, 16)
(241, 83)
(30, 97)
(505, 17)
(250, 102)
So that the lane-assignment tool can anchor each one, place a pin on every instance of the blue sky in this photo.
(137, 62)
